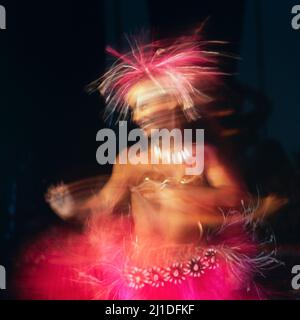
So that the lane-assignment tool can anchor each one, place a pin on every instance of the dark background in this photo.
(52, 49)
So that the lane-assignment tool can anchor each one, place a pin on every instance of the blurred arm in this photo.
(71, 202)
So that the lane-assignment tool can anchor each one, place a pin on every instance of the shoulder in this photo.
(210, 152)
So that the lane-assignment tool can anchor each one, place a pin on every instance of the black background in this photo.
(52, 49)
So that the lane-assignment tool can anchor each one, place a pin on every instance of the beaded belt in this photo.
(176, 273)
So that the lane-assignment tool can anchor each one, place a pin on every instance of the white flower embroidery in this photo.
(195, 267)
(156, 277)
(175, 273)
(137, 278)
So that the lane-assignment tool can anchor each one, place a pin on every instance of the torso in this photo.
(158, 207)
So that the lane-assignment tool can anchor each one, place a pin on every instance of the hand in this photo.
(61, 201)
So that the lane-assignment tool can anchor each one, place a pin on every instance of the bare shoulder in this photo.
(210, 150)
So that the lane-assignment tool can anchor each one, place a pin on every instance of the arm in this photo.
(113, 192)
(70, 201)
(225, 188)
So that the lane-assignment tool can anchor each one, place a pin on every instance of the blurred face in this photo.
(152, 106)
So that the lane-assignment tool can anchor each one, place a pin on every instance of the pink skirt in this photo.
(105, 262)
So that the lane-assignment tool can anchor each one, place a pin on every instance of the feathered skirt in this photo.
(106, 261)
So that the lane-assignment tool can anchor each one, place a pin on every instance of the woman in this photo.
(181, 236)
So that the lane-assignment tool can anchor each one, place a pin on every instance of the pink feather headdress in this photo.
(185, 65)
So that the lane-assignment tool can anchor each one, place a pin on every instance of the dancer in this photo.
(152, 231)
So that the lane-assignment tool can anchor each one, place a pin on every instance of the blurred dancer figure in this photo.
(181, 236)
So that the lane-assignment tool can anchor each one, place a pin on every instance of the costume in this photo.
(108, 260)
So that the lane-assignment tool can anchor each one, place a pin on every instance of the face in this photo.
(152, 106)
